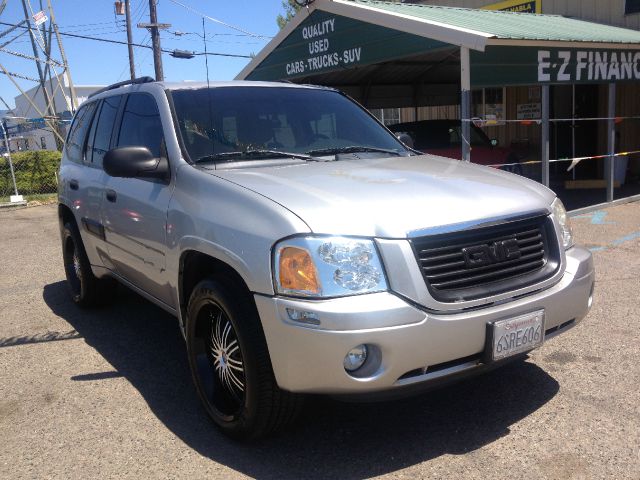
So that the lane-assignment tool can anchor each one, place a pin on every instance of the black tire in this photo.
(230, 363)
(86, 290)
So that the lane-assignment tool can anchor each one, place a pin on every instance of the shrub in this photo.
(35, 172)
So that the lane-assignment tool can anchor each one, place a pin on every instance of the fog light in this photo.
(355, 358)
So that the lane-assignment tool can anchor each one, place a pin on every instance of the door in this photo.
(80, 182)
(97, 145)
(135, 209)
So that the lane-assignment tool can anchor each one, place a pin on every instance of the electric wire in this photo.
(119, 42)
(220, 22)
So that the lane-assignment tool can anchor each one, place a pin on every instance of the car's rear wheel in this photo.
(86, 290)
(230, 363)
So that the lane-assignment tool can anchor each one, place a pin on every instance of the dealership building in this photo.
(553, 83)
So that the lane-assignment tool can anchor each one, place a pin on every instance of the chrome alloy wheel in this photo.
(221, 365)
(227, 358)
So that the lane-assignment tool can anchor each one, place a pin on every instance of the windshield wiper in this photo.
(253, 154)
(351, 149)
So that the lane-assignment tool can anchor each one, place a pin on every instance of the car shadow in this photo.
(332, 439)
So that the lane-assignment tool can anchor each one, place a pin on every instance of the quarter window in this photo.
(141, 125)
(78, 134)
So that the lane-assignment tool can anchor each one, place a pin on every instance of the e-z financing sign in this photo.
(326, 42)
(528, 66)
(518, 6)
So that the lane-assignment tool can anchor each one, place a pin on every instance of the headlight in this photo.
(327, 267)
(565, 223)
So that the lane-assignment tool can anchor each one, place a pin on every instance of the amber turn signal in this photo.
(297, 271)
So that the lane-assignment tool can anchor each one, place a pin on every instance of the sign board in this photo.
(325, 42)
(529, 111)
(544, 65)
(518, 6)
(39, 18)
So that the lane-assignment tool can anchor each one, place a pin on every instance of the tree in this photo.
(290, 9)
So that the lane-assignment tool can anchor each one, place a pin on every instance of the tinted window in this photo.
(101, 139)
(631, 6)
(78, 133)
(230, 119)
(141, 125)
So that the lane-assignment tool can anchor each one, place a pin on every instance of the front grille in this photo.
(488, 261)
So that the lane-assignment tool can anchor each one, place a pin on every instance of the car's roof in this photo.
(187, 85)
(232, 83)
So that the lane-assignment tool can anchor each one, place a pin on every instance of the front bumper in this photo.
(414, 346)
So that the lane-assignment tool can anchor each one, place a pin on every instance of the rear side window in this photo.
(100, 137)
(141, 125)
(78, 133)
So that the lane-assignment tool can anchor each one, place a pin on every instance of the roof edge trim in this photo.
(561, 43)
(463, 37)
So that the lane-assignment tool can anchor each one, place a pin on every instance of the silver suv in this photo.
(305, 249)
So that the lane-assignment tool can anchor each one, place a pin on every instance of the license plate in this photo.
(516, 335)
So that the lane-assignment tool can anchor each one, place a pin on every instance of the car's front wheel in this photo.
(230, 363)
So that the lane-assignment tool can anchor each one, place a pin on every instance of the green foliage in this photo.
(290, 9)
(35, 172)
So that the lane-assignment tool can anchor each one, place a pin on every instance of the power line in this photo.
(215, 20)
(119, 42)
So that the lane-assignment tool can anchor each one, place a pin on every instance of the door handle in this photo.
(73, 184)
(111, 195)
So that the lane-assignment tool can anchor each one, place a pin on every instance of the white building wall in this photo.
(24, 108)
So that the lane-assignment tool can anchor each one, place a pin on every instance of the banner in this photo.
(518, 6)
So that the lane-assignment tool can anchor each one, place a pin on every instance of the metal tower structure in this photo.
(46, 55)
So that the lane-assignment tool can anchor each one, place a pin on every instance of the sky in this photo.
(98, 63)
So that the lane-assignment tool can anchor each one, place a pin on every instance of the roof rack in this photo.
(135, 81)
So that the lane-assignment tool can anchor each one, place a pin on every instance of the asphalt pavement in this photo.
(107, 393)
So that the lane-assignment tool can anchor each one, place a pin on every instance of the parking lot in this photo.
(107, 393)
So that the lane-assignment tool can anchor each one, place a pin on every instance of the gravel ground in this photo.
(107, 393)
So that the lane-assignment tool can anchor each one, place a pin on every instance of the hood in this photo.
(392, 197)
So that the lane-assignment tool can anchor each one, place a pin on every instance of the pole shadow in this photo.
(331, 439)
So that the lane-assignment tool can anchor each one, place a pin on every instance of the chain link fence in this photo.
(35, 175)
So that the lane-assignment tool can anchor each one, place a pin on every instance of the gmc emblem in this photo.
(488, 254)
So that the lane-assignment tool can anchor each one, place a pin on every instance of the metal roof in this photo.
(509, 25)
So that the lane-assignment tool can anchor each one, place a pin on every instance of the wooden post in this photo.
(127, 12)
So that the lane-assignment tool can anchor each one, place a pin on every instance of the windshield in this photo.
(290, 120)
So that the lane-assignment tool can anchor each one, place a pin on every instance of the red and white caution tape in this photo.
(574, 161)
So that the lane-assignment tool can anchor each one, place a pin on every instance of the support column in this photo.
(465, 102)
(611, 142)
(544, 138)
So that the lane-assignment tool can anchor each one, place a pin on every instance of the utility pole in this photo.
(155, 28)
(132, 66)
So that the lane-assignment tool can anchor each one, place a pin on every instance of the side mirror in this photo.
(405, 138)
(134, 162)
(494, 142)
